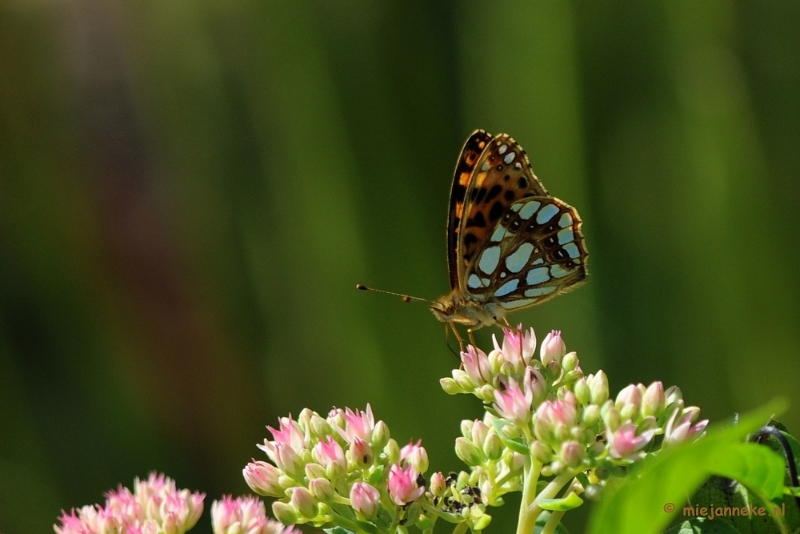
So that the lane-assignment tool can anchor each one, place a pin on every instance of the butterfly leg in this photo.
(471, 337)
(458, 337)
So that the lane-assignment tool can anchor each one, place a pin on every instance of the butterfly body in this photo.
(509, 243)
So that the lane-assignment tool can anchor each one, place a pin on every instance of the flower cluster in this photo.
(244, 515)
(346, 470)
(154, 506)
(546, 419)
(549, 431)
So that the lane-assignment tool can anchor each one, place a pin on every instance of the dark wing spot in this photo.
(493, 192)
(481, 194)
(499, 168)
(473, 194)
(470, 239)
(509, 194)
(523, 182)
(506, 177)
(560, 254)
(459, 191)
(492, 158)
(496, 211)
(478, 221)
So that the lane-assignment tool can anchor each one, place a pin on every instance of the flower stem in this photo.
(527, 520)
(460, 528)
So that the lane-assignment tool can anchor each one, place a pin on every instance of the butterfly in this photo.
(510, 244)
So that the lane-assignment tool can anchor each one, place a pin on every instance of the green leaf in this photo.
(647, 500)
(337, 530)
(515, 444)
(570, 502)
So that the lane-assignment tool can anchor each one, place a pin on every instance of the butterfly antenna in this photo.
(405, 298)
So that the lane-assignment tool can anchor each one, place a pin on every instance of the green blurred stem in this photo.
(527, 520)
(461, 528)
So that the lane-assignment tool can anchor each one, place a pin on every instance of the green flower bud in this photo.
(380, 435)
(598, 383)
(479, 433)
(541, 452)
(582, 391)
(673, 394)
(466, 427)
(654, 401)
(314, 470)
(492, 446)
(319, 426)
(392, 451)
(450, 386)
(304, 502)
(570, 361)
(321, 489)
(591, 415)
(468, 452)
(304, 419)
(610, 415)
(285, 513)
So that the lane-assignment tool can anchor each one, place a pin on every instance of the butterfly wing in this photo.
(501, 176)
(535, 252)
(473, 148)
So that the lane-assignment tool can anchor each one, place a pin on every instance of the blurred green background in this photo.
(189, 192)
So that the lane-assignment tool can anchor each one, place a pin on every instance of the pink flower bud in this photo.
(262, 478)
(402, 484)
(365, 499)
(572, 453)
(329, 452)
(535, 386)
(414, 454)
(287, 460)
(513, 404)
(476, 365)
(553, 348)
(629, 402)
(624, 444)
(358, 424)
(518, 347)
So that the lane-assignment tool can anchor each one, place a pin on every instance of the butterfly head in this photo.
(456, 308)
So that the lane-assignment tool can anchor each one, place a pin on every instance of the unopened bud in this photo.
(285, 513)
(304, 502)
(468, 452)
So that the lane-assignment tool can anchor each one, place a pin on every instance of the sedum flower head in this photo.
(563, 421)
(155, 505)
(316, 465)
